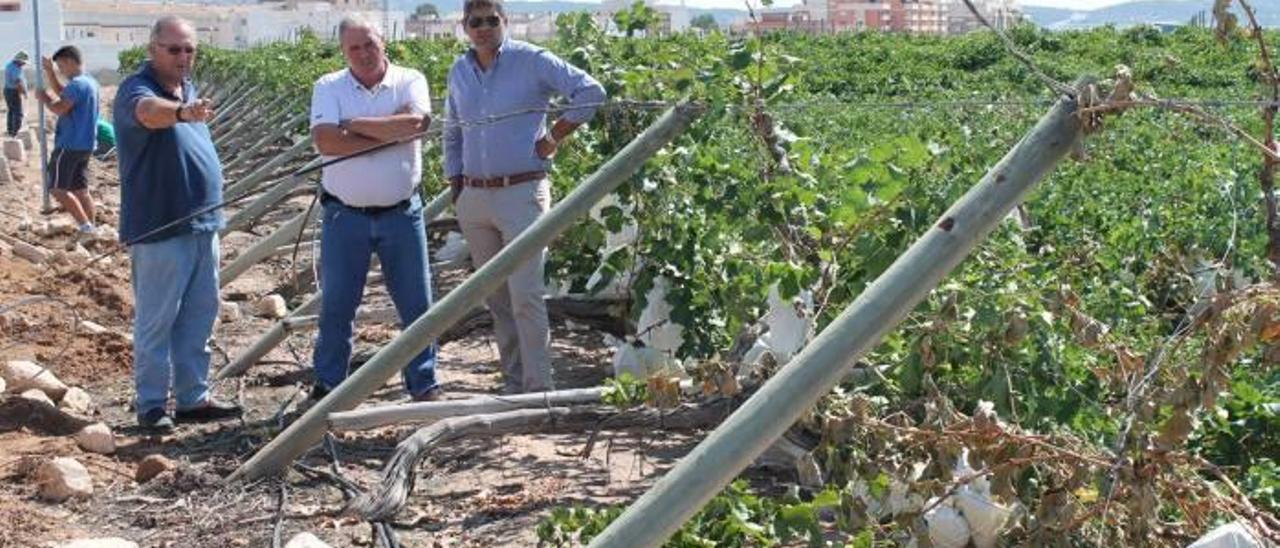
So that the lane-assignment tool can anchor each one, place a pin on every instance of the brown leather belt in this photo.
(505, 181)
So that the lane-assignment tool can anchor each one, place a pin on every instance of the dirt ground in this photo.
(477, 492)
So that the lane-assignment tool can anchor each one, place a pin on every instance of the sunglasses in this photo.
(175, 50)
(477, 22)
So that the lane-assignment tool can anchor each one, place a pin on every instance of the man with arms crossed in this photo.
(75, 138)
(371, 203)
(168, 171)
(498, 171)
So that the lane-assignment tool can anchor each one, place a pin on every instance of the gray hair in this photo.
(167, 22)
(356, 22)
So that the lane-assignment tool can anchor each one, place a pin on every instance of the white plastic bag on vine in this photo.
(790, 324)
(640, 361)
(454, 253)
(655, 328)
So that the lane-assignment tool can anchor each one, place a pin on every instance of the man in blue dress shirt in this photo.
(498, 170)
(169, 170)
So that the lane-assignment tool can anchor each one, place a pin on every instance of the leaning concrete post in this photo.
(794, 389)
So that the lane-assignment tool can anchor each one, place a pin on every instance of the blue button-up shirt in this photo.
(523, 77)
(165, 174)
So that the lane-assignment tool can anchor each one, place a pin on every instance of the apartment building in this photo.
(909, 16)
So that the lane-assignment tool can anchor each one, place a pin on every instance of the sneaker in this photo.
(156, 420)
(435, 394)
(211, 410)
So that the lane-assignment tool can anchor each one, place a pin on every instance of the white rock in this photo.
(107, 233)
(24, 224)
(58, 226)
(3, 385)
(28, 138)
(92, 327)
(305, 540)
(79, 255)
(96, 438)
(23, 374)
(76, 401)
(111, 542)
(14, 151)
(229, 312)
(272, 306)
(35, 394)
(1232, 535)
(6, 176)
(63, 478)
(34, 254)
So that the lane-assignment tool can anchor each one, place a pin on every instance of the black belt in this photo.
(326, 198)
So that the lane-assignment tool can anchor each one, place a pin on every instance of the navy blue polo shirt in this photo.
(165, 174)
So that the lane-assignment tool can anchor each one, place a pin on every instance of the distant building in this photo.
(104, 28)
(530, 27)
(907, 16)
(1002, 14)
(16, 27)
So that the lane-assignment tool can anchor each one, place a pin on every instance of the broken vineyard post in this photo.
(794, 389)
(308, 429)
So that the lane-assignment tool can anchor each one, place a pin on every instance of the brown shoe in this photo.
(210, 410)
(435, 394)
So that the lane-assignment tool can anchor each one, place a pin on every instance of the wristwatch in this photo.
(177, 114)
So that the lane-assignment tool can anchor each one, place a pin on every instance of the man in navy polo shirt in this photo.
(76, 104)
(169, 169)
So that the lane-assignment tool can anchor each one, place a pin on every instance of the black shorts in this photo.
(69, 169)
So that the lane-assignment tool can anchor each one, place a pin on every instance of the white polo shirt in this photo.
(387, 176)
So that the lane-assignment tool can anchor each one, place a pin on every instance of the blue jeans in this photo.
(348, 240)
(175, 294)
(13, 102)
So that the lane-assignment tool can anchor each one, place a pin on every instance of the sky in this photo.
(740, 4)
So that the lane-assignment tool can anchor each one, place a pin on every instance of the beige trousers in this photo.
(490, 219)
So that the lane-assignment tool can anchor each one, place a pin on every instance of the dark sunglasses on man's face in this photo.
(477, 22)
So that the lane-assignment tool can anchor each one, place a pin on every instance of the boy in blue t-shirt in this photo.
(76, 104)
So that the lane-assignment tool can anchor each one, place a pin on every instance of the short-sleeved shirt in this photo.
(13, 76)
(390, 175)
(165, 174)
(78, 129)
